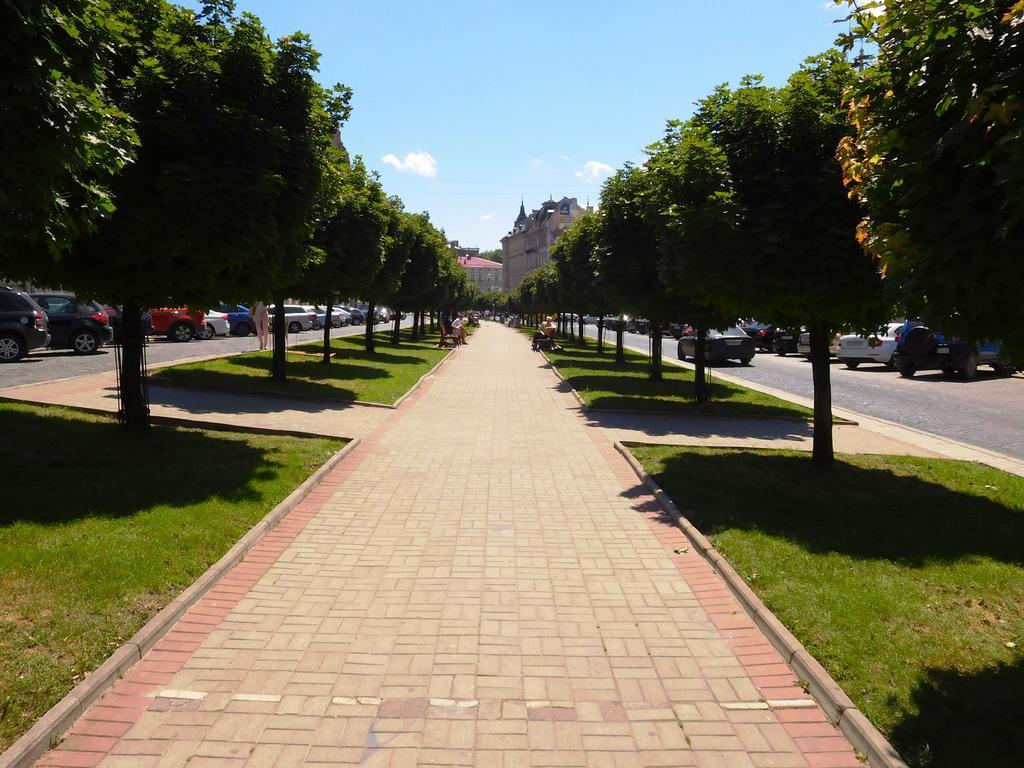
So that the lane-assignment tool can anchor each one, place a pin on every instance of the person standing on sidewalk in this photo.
(261, 316)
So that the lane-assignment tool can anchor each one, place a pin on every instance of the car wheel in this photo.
(180, 332)
(243, 329)
(746, 360)
(891, 363)
(851, 364)
(205, 332)
(294, 326)
(906, 371)
(1004, 368)
(970, 370)
(12, 348)
(85, 342)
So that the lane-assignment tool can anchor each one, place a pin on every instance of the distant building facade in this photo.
(527, 245)
(485, 274)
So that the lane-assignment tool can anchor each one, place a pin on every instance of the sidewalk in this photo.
(483, 581)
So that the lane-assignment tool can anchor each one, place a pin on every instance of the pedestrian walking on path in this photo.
(261, 316)
(482, 581)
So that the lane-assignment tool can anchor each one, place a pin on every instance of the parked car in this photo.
(678, 330)
(921, 349)
(803, 345)
(763, 334)
(216, 324)
(337, 316)
(23, 325)
(240, 322)
(319, 315)
(114, 316)
(855, 349)
(785, 341)
(730, 344)
(296, 318)
(358, 318)
(177, 323)
(74, 323)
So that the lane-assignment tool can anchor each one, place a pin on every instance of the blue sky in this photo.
(498, 100)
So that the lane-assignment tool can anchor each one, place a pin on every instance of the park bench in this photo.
(448, 339)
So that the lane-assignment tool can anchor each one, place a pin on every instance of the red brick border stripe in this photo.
(152, 657)
(771, 664)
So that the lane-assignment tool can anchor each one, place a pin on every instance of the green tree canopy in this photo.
(61, 137)
(938, 160)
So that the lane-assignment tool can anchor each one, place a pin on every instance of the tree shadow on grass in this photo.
(861, 512)
(68, 468)
(965, 720)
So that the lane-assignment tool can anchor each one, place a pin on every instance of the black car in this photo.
(730, 344)
(785, 341)
(75, 323)
(23, 325)
(763, 334)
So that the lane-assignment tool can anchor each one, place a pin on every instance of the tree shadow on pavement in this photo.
(965, 719)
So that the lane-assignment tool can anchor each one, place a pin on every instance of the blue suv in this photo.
(240, 322)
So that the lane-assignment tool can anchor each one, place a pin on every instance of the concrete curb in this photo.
(52, 725)
(832, 699)
(421, 379)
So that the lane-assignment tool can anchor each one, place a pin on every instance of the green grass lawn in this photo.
(903, 576)
(352, 375)
(604, 384)
(99, 529)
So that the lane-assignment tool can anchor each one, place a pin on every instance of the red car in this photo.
(177, 324)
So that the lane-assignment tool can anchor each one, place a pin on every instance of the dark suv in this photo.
(76, 324)
(918, 348)
(22, 325)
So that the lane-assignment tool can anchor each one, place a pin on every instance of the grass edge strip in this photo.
(833, 700)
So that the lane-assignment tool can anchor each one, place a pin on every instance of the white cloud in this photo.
(564, 157)
(417, 163)
(536, 162)
(487, 216)
(593, 170)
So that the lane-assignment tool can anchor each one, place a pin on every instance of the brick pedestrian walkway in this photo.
(481, 582)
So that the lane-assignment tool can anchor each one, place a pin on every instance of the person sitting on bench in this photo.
(545, 336)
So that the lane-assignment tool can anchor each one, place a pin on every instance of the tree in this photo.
(701, 258)
(350, 239)
(218, 202)
(397, 245)
(938, 160)
(628, 259)
(497, 255)
(798, 223)
(575, 256)
(427, 246)
(61, 138)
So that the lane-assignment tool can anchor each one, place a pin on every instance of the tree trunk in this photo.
(600, 334)
(582, 335)
(369, 328)
(396, 331)
(654, 333)
(134, 412)
(414, 334)
(327, 332)
(700, 379)
(433, 325)
(620, 353)
(821, 370)
(279, 361)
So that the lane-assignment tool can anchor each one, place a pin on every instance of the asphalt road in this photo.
(987, 412)
(50, 365)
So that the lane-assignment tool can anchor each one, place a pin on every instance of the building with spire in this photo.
(527, 245)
